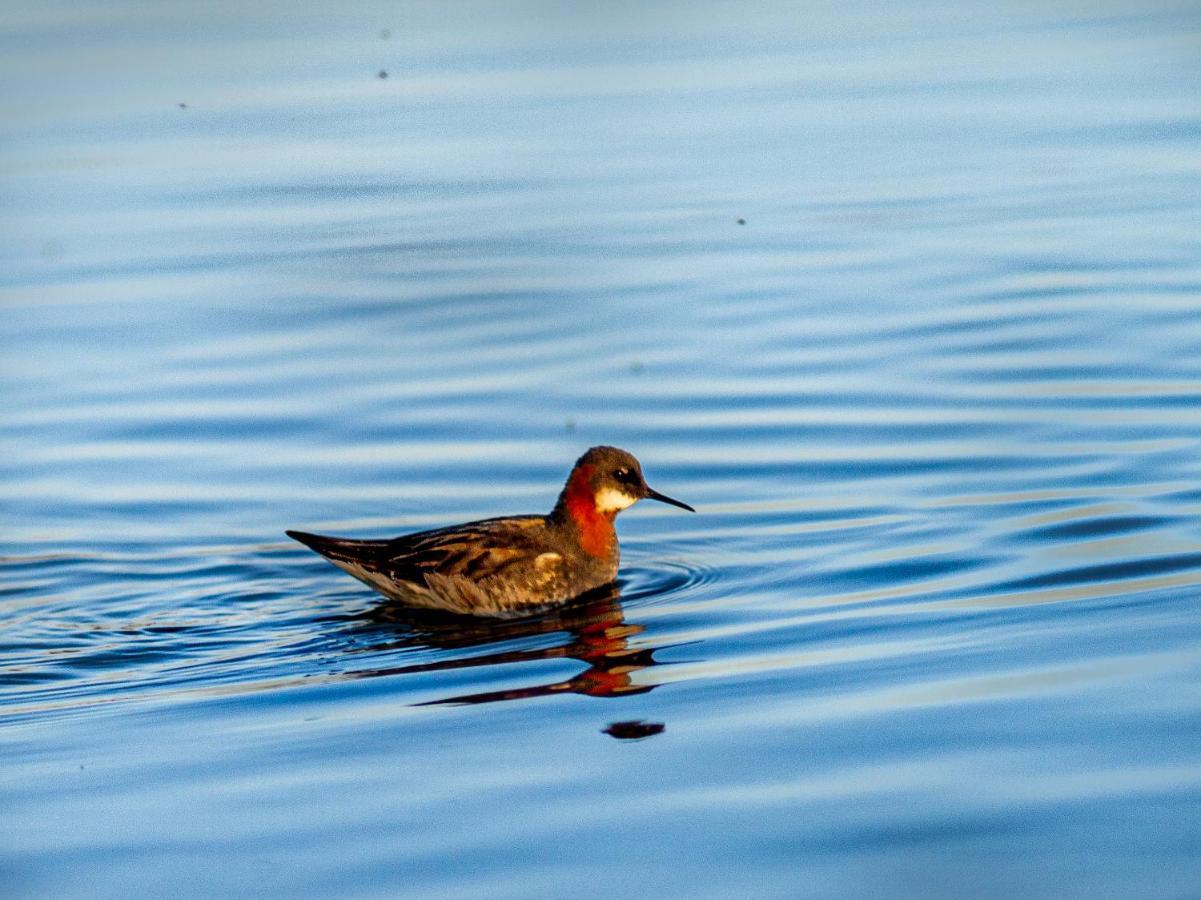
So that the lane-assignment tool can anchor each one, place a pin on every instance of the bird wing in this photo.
(472, 568)
(475, 551)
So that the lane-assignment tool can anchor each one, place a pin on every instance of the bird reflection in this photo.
(635, 730)
(597, 634)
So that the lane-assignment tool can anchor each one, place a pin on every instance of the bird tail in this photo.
(339, 550)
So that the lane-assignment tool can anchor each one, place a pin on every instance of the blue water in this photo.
(906, 300)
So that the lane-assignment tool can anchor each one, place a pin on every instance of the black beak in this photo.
(652, 494)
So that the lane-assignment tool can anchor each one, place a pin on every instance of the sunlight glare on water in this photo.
(904, 300)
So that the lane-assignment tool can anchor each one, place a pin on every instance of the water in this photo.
(904, 301)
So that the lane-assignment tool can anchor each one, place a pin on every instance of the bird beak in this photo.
(652, 494)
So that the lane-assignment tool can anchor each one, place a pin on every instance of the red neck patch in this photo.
(596, 529)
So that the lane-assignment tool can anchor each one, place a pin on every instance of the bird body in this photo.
(510, 565)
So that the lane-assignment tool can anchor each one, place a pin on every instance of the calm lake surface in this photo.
(905, 300)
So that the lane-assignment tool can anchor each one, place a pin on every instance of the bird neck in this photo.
(577, 508)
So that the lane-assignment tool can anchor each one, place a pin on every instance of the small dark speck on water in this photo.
(183, 106)
(383, 73)
(385, 33)
(634, 730)
(742, 221)
(636, 368)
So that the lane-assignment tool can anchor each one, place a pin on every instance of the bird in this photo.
(511, 565)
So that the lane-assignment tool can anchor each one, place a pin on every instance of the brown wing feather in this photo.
(476, 551)
(490, 567)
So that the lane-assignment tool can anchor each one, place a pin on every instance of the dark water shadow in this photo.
(594, 630)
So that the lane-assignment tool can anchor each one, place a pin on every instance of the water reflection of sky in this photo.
(903, 299)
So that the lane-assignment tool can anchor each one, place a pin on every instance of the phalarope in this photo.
(511, 565)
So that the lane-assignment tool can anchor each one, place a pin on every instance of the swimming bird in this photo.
(511, 565)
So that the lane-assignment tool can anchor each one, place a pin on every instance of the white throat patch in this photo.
(612, 500)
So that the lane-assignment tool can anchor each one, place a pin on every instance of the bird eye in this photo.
(627, 476)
